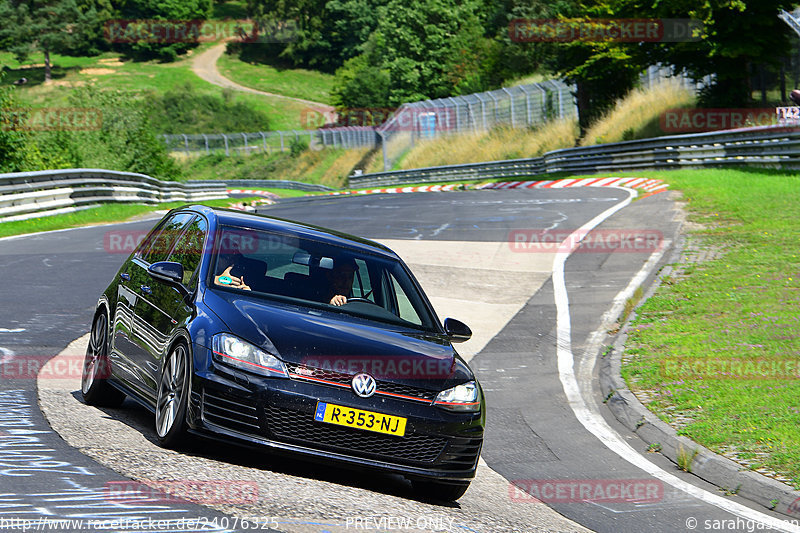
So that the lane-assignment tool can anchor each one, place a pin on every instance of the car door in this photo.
(154, 306)
(122, 341)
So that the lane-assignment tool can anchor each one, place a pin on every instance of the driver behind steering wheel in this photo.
(340, 281)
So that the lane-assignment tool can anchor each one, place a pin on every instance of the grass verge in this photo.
(638, 114)
(105, 213)
(329, 166)
(716, 350)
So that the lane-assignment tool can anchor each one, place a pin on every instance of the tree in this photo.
(737, 37)
(167, 10)
(329, 32)
(422, 49)
(43, 25)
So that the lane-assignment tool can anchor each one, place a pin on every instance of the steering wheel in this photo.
(357, 299)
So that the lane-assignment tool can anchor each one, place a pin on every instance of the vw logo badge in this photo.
(364, 385)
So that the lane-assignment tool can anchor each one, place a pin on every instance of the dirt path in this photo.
(205, 66)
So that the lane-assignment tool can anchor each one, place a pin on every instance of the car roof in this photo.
(250, 220)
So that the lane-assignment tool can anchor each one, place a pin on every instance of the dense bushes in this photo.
(124, 139)
(184, 110)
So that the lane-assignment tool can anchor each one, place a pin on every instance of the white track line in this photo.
(593, 421)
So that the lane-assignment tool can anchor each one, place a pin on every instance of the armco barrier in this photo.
(29, 194)
(768, 146)
(258, 184)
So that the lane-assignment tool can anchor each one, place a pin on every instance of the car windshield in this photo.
(318, 274)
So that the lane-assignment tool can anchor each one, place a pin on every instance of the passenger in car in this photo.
(227, 279)
(235, 267)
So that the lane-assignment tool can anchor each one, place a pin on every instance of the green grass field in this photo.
(112, 71)
(725, 316)
(297, 83)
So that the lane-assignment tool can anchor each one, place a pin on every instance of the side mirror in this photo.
(457, 330)
(167, 271)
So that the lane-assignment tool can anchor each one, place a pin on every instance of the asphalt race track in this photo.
(547, 428)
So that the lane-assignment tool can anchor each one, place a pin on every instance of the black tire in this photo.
(95, 388)
(434, 490)
(172, 397)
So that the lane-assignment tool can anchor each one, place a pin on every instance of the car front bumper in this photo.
(278, 413)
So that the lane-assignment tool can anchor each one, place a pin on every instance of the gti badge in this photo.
(364, 385)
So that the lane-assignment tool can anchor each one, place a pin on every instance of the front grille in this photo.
(292, 426)
(236, 413)
(299, 371)
(461, 453)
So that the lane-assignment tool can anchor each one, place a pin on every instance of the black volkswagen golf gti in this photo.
(291, 337)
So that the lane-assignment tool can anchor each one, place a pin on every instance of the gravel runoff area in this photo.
(293, 496)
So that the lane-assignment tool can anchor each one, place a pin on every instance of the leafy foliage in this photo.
(178, 10)
(184, 110)
(17, 153)
(738, 35)
(44, 25)
(125, 141)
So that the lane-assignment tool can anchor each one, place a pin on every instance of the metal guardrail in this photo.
(29, 194)
(768, 146)
(276, 184)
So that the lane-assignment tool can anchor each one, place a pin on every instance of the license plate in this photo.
(357, 418)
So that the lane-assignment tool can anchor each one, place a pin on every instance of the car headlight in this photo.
(464, 398)
(234, 351)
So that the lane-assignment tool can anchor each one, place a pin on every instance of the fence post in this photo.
(205, 139)
(245, 142)
(227, 152)
(543, 107)
(495, 107)
(483, 109)
(527, 104)
(263, 140)
(511, 102)
(280, 133)
(185, 143)
(383, 149)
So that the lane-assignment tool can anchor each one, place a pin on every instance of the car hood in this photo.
(341, 342)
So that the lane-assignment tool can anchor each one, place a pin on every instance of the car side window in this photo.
(405, 309)
(189, 249)
(162, 244)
